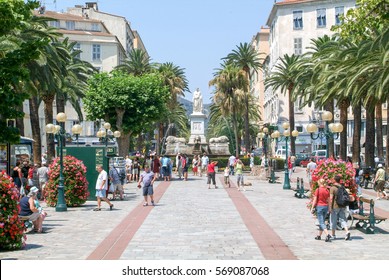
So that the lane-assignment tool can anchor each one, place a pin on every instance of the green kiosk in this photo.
(92, 156)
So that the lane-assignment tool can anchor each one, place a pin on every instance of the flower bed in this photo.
(11, 227)
(328, 169)
(76, 185)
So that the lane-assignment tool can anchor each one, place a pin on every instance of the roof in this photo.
(289, 2)
(65, 16)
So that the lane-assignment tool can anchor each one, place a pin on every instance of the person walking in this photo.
(320, 204)
(204, 164)
(179, 166)
(148, 179)
(185, 166)
(337, 212)
(101, 188)
(156, 166)
(290, 168)
(311, 166)
(195, 163)
(114, 176)
(212, 174)
(166, 168)
(231, 162)
(379, 182)
(128, 169)
(227, 176)
(43, 177)
(239, 173)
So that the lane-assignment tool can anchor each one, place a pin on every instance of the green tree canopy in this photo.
(130, 103)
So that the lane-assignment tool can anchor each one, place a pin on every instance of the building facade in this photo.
(104, 40)
(293, 24)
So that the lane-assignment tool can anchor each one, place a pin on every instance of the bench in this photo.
(27, 222)
(367, 222)
(300, 191)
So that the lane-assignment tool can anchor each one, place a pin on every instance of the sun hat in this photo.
(379, 165)
(34, 190)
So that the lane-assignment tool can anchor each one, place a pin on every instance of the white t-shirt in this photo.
(232, 160)
(128, 162)
(204, 160)
(102, 176)
(311, 166)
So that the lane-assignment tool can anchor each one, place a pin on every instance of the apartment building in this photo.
(293, 24)
(105, 41)
(260, 42)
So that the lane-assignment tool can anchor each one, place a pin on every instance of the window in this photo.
(299, 128)
(96, 52)
(297, 20)
(54, 23)
(298, 46)
(77, 47)
(321, 17)
(297, 106)
(70, 25)
(95, 27)
(339, 11)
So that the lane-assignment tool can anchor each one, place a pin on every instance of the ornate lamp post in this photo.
(59, 132)
(331, 130)
(105, 133)
(276, 135)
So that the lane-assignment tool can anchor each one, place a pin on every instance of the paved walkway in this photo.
(194, 223)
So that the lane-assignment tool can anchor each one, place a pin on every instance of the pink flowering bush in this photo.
(76, 185)
(11, 227)
(328, 169)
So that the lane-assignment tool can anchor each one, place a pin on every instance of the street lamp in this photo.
(76, 130)
(278, 138)
(105, 133)
(59, 132)
(331, 130)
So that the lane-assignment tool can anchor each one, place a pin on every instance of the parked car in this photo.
(304, 162)
(300, 157)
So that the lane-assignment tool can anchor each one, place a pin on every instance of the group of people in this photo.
(325, 202)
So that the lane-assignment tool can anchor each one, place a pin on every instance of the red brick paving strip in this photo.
(113, 246)
(268, 241)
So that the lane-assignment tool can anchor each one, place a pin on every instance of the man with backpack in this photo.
(339, 200)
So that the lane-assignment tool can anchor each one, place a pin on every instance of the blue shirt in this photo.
(147, 178)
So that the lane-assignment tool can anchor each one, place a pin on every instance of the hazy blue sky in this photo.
(193, 34)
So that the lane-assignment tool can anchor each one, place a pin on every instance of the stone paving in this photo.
(194, 223)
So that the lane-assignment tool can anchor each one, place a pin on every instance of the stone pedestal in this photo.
(197, 129)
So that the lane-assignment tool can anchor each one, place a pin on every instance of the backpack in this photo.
(342, 197)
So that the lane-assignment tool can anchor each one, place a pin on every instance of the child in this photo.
(227, 176)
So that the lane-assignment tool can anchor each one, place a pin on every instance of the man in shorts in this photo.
(148, 180)
(114, 175)
(204, 164)
(102, 188)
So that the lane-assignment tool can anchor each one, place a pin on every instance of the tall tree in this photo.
(284, 78)
(247, 58)
(130, 103)
(230, 84)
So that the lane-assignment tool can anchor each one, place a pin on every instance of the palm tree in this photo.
(137, 63)
(246, 58)
(284, 78)
(230, 84)
(175, 79)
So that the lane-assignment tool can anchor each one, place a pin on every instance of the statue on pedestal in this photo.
(197, 101)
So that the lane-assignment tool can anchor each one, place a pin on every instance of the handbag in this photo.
(111, 188)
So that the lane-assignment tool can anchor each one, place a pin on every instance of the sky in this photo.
(192, 34)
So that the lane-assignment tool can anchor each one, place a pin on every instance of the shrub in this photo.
(11, 227)
(76, 185)
(328, 169)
